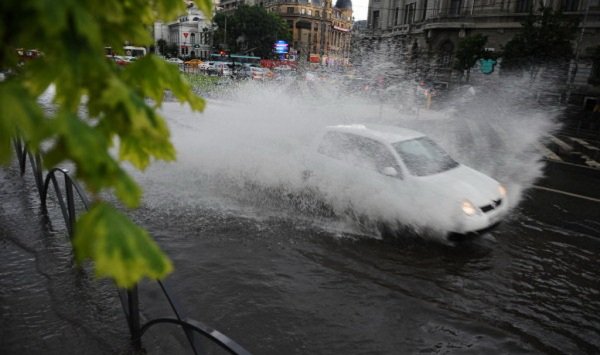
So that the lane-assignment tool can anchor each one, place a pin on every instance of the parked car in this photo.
(284, 73)
(129, 59)
(118, 59)
(254, 73)
(175, 61)
(221, 69)
(406, 177)
(206, 66)
(193, 63)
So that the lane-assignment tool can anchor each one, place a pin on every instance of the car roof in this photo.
(389, 134)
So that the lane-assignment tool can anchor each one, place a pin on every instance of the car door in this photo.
(350, 173)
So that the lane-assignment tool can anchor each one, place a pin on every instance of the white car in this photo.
(400, 177)
(175, 61)
(206, 65)
(221, 69)
(254, 73)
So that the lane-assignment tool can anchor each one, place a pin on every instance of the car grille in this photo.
(492, 206)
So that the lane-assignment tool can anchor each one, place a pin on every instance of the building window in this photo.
(523, 6)
(303, 11)
(455, 6)
(290, 10)
(396, 14)
(193, 38)
(309, 12)
(409, 13)
(570, 5)
(424, 10)
(317, 13)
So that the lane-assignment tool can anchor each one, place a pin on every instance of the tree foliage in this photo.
(251, 29)
(161, 45)
(468, 51)
(103, 114)
(544, 39)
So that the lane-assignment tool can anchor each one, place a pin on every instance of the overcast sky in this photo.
(359, 8)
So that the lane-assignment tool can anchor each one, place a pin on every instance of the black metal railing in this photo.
(128, 297)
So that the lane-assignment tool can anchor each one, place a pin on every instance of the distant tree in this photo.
(251, 28)
(103, 116)
(161, 44)
(468, 51)
(172, 50)
(544, 40)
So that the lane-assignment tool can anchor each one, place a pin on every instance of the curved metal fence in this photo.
(128, 297)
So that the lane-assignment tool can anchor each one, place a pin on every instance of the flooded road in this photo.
(282, 281)
(280, 285)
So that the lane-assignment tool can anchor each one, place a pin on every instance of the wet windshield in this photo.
(423, 157)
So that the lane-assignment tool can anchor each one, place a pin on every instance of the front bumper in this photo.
(482, 222)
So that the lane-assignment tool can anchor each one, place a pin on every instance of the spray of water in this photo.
(251, 144)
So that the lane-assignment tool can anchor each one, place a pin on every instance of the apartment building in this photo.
(429, 30)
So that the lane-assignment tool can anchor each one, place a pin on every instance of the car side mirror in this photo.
(389, 171)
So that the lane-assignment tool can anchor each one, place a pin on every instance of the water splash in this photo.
(249, 147)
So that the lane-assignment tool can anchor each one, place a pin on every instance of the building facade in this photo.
(320, 32)
(429, 30)
(191, 33)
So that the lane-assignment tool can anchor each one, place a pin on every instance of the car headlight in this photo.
(468, 208)
(502, 190)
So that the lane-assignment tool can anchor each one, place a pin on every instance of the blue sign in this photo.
(486, 66)
(281, 47)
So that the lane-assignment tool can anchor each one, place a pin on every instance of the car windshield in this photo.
(423, 157)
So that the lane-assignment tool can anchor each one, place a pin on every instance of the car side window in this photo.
(374, 155)
(358, 151)
(335, 145)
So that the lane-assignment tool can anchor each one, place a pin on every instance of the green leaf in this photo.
(96, 105)
(164, 76)
(119, 248)
(19, 114)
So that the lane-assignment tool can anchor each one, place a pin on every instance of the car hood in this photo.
(463, 182)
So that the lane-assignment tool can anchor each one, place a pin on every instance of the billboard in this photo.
(281, 47)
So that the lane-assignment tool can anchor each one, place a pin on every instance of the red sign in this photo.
(185, 34)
